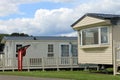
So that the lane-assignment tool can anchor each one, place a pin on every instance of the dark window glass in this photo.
(64, 50)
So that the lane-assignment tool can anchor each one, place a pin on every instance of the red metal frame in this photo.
(21, 53)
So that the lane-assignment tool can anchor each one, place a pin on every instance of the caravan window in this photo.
(92, 36)
(50, 47)
(74, 50)
(50, 50)
(104, 35)
(65, 50)
(18, 46)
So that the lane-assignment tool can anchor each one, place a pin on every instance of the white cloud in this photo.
(102, 6)
(14, 25)
(57, 21)
(53, 19)
(8, 7)
(45, 22)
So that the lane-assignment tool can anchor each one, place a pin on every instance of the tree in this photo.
(13, 34)
(2, 35)
(19, 34)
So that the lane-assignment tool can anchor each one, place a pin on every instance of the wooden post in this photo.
(28, 64)
(114, 58)
(13, 64)
(3, 66)
(71, 63)
(43, 64)
(57, 63)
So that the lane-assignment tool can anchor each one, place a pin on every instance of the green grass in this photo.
(74, 75)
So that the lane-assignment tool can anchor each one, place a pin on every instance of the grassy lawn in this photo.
(74, 75)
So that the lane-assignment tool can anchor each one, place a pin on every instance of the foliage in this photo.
(2, 35)
(74, 75)
(19, 34)
(13, 34)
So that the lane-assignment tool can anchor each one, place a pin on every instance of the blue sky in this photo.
(49, 17)
(31, 8)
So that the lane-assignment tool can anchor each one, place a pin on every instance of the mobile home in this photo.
(44, 51)
(97, 34)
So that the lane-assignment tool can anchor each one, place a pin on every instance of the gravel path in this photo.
(3, 77)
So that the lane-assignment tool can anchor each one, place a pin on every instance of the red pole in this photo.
(20, 60)
(21, 53)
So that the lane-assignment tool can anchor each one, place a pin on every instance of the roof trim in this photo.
(99, 16)
(38, 38)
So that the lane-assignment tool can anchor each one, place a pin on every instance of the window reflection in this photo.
(97, 35)
(104, 36)
(90, 36)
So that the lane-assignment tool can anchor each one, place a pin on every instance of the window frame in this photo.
(74, 50)
(65, 49)
(107, 35)
(50, 52)
(61, 49)
(90, 29)
(50, 49)
(99, 36)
